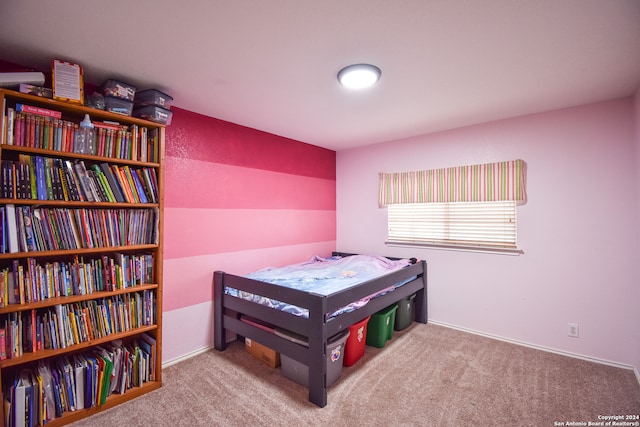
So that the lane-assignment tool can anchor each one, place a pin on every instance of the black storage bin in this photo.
(405, 313)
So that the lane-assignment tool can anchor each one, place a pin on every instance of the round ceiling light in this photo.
(359, 76)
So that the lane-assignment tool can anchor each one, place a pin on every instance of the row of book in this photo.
(45, 178)
(38, 395)
(36, 127)
(65, 325)
(27, 281)
(32, 228)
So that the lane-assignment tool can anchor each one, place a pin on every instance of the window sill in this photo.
(459, 248)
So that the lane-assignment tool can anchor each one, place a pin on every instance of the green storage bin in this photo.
(405, 313)
(380, 327)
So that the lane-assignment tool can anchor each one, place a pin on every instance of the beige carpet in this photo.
(427, 375)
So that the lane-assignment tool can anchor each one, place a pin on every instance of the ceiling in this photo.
(272, 65)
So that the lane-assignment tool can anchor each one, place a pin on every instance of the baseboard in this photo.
(186, 356)
(539, 347)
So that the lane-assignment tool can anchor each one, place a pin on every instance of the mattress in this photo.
(323, 276)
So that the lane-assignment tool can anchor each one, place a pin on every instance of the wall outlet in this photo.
(573, 330)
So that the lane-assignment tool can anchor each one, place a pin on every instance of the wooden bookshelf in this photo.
(80, 276)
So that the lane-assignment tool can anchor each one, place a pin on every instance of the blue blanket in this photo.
(323, 276)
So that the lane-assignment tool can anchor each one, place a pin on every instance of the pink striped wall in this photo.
(236, 199)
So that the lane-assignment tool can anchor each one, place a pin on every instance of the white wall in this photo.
(578, 229)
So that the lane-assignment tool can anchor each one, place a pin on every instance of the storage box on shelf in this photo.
(153, 97)
(154, 113)
(118, 105)
(118, 89)
(80, 261)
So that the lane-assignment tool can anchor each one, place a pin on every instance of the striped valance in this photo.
(475, 183)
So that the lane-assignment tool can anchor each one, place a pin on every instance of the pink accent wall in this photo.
(236, 199)
(578, 229)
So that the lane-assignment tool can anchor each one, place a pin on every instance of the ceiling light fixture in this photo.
(359, 76)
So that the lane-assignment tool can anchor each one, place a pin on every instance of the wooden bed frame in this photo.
(317, 329)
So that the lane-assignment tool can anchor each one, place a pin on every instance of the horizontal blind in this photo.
(476, 224)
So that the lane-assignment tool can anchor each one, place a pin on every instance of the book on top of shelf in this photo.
(109, 125)
(23, 108)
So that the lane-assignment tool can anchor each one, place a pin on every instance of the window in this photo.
(462, 225)
(465, 207)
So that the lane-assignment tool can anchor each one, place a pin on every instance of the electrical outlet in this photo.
(573, 330)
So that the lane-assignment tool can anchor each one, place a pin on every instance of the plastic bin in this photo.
(405, 313)
(118, 105)
(380, 328)
(154, 113)
(299, 372)
(118, 89)
(153, 97)
(354, 347)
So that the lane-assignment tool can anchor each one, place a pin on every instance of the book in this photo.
(12, 228)
(84, 181)
(148, 344)
(80, 376)
(142, 195)
(91, 381)
(49, 406)
(3, 342)
(7, 179)
(124, 183)
(58, 397)
(19, 404)
(30, 109)
(41, 179)
(103, 182)
(73, 182)
(11, 118)
(113, 183)
(30, 241)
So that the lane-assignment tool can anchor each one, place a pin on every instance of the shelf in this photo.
(50, 302)
(112, 400)
(76, 110)
(45, 354)
(71, 155)
(54, 203)
(85, 251)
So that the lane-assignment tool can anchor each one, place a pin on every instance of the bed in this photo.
(323, 315)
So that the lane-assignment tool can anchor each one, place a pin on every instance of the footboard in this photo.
(317, 328)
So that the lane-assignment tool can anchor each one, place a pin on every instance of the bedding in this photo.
(324, 276)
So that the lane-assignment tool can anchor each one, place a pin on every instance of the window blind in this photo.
(463, 224)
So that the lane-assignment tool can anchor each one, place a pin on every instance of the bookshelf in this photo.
(80, 261)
